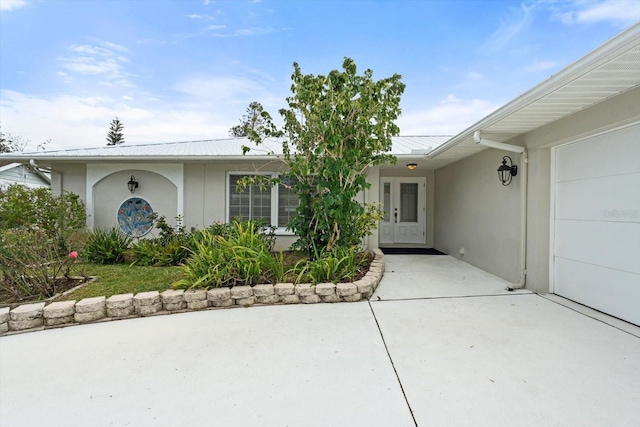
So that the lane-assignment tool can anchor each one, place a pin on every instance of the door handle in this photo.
(395, 216)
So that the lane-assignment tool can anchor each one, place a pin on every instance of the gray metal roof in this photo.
(213, 149)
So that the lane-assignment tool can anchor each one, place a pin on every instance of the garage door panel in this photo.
(596, 222)
(597, 243)
(600, 156)
(611, 291)
(612, 198)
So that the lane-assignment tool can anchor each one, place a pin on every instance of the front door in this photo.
(403, 203)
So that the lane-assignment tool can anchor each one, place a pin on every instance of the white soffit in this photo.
(607, 71)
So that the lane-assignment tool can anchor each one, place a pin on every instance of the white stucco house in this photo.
(568, 222)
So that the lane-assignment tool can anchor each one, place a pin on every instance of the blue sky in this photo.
(186, 70)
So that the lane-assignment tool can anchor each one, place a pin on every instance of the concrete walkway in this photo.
(427, 353)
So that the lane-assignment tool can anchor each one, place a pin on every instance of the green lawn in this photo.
(122, 279)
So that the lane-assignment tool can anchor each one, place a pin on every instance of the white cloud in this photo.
(451, 116)
(104, 59)
(12, 4)
(587, 12)
(77, 121)
(510, 26)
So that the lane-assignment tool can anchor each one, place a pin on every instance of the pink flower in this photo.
(73, 254)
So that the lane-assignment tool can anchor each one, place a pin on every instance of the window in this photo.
(287, 201)
(274, 205)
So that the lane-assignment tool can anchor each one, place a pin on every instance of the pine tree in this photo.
(251, 121)
(115, 136)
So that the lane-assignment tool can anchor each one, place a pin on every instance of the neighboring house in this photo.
(17, 173)
(569, 223)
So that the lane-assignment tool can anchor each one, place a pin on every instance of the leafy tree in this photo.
(251, 121)
(115, 136)
(335, 128)
(37, 208)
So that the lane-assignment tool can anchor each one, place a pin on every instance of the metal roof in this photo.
(607, 71)
(213, 149)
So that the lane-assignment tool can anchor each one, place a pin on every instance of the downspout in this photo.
(523, 202)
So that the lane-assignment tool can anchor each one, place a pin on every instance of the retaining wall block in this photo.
(290, 299)
(146, 303)
(146, 298)
(173, 299)
(305, 290)
(241, 292)
(352, 298)
(4, 314)
(119, 301)
(59, 313)
(4, 327)
(363, 285)
(331, 298)
(220, 297)
(310, 299)
(245, 301)
(172, 296)
(90, 309)
(263, 290)
(196, 299)
(27, 312)
(120, 305)
(91, 305)
(324, 289)
(346, 289)
(194, 295)
(269, 299)
(284, 289)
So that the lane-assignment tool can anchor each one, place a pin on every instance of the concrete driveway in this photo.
(421, 355)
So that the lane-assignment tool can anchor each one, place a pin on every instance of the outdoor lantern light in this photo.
(412, 166)
(132, 184)
(507, 172)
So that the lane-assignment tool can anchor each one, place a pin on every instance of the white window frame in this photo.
(281, 231)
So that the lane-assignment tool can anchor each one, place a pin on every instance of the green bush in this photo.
(56, 216)
(107, 246)
(161, 253)
(339, 265)
(240, 255)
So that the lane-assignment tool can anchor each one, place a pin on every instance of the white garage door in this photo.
(596, 223)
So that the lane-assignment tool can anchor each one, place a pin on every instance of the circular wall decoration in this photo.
(134, 217)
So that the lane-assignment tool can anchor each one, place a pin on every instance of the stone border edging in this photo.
(39, 316)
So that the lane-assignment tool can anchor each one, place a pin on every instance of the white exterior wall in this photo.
(477, 215)
(470, 208)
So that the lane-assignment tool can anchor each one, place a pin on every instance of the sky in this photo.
(187, 70)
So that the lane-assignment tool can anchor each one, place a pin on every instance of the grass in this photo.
(122, 279)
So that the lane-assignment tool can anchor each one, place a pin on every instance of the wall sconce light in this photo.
(132, 184)
(507, 172)
(412, 166)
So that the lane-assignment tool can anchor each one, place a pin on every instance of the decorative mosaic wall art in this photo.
(134, 217)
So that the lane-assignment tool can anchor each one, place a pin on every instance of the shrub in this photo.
(56, 216)
(161, 253)
(107, 246)
(31, 266)
(240, 255)
(339, 265)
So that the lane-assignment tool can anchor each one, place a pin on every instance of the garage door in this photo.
(596, 222)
